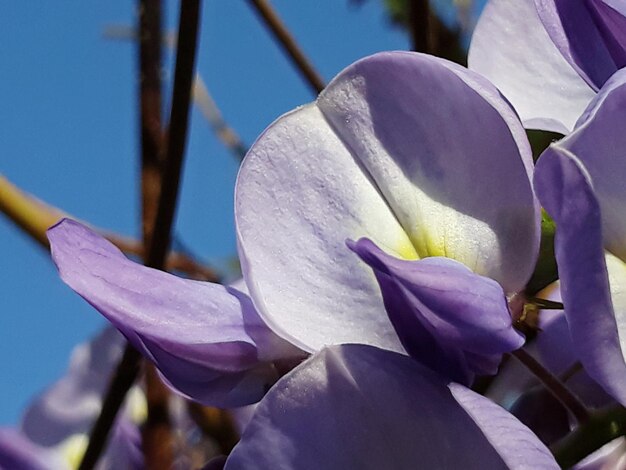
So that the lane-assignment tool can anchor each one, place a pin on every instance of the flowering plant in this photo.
(388, 233)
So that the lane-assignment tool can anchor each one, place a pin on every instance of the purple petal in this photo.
(198, 334)
(598, 143)
(516, 444)
(18, 453)
(70, 405)
(555, 350)
(611, 23)
(356, 406)
(438, 163)
(299, 195)
(466, 314)
(608, 457)
(124, 450)
(434, 142)
(564, 187)
(512, 49)
(526, 398)
(588, 35)
(216, 463)
(543, 413)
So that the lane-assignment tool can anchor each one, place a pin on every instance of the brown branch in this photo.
(201, 96)
(157, 435)
(160, 228)
(151, 158)
(29, 213)
(419, 24)
(215, 423)
(121, 381)
(430, 35)
(157, 425)
(554, 386)
(34, 217)
(177, 138)
(157, 438)
(214, 117)
(175, 261)
(288, 43)
(152, 154)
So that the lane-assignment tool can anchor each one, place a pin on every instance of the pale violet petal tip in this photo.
(356, 406)
(565, 189)
(404, 166)
(179, 324)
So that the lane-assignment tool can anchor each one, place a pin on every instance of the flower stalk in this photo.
(601, 428)
(554, 386)
(288, 43)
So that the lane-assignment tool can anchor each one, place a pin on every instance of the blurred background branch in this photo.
(286, 40)
(34, 216)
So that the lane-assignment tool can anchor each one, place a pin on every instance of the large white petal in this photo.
(436, 164)
(300, 195)
(511, 47)
(448, 154)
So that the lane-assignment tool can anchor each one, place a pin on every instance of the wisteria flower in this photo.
(423, 168)
(422, 162)
(550, 57)
(206, 339)
(580, 181)
(53, 433)
(395, 212)
(521, 393)
(18, 452)
(357, 406)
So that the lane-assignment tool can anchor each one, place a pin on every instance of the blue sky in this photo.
(69, 136)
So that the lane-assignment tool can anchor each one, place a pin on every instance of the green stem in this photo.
(554, 386)
(601, 428)
(29, 213)
(545, 304)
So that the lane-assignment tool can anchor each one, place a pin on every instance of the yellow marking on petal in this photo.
(406, 250)
(435, 247)
(73, 449)
(426, 245)
(137, 406)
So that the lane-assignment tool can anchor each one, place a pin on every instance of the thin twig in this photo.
(286, 40)
(151, 156)
(161, 235)
(34, 217)
(201, 96)
(554, 386)
(419, 23)
(157, 438)
(214, 117)
(546, 304)
(571, 371)
(218, 424)
(121, 381)
(603, 427)
(430, 35)
(157, 435)
(177, 137)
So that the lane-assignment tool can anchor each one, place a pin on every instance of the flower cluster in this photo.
(387, 233)
(53, 431)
